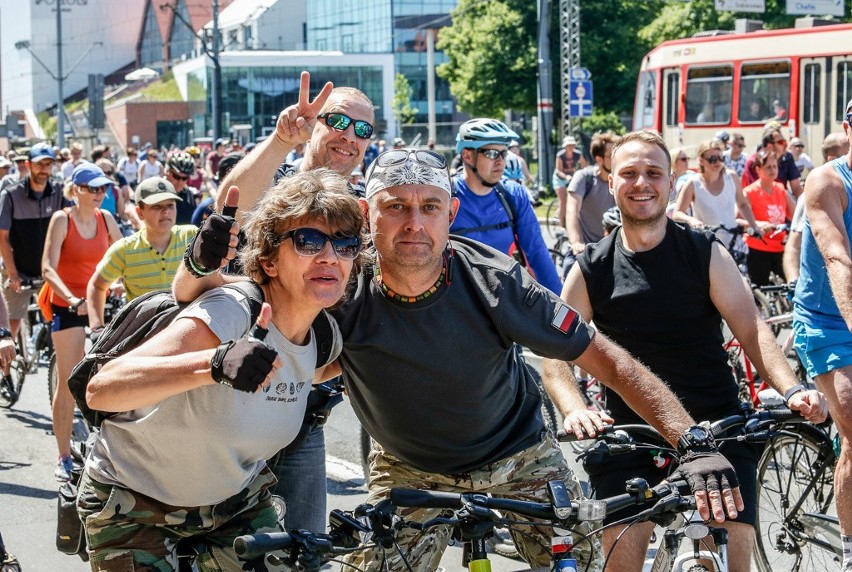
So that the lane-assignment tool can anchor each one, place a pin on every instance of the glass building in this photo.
(399, 27)
(257, 85)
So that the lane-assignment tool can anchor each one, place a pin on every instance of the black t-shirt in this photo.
(656, 304)
(438, 382)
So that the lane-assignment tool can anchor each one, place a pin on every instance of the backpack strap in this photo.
(510, 210)
(324, 338)
(321, 326)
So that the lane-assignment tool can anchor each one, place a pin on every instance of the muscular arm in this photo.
(573, 204)
(825, 204)
(792, 256)
(733, 298)
(186, 287)
(7, 254)
(796, 187)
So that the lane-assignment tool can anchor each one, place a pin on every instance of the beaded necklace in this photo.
(377, 274)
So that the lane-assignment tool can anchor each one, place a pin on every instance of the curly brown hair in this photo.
(319, 194)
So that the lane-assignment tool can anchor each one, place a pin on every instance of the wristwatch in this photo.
(696, 439)
(5, 333)
(793, 391)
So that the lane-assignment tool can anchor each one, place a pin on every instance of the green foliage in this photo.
(49, 124)
(491, 51)
(163, 89)
(601, 121)
(402, 92)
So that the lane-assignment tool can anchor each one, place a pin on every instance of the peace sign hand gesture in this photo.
(296, 123)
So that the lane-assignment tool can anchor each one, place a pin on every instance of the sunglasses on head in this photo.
(713, 159)
(94, 190)
(399, 156)
(341, 122)
(310, 242)
(493, 153)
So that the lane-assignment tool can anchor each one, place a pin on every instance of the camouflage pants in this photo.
(523, 475)
(128, 531)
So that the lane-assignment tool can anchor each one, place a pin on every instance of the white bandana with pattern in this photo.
(408, 173)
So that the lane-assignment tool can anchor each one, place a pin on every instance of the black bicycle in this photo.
(33, 345)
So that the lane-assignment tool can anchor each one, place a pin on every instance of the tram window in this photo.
(761, 85)
(844, 89)
(672, 98)
(811, 99)
(708, 94)
(645, 101)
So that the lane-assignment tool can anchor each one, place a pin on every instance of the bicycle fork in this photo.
(696, 560)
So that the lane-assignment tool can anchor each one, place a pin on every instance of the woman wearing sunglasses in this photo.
(713, 195)
(77, 238)
(772, 206)
(212, 396)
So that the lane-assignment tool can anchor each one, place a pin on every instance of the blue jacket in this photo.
(485, 219)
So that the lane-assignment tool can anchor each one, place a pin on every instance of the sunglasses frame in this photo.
(486, 152)
(102, 190)
(349, 121)
(714, 159)
(389, 158)
(335, 242)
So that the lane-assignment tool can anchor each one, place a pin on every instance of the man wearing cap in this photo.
(25, 211)
(400, 366)
(21, 169)
(588, 196)
(822, 309)
(146, 260)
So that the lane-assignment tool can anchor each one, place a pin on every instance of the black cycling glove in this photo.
(243, 364)
(707, 471)
(210, 246)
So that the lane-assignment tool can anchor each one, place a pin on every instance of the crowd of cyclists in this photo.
(433, 279)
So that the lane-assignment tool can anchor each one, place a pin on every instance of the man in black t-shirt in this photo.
(660, 290)
(431, 368)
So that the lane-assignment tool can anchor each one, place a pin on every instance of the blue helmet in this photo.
(477, 133)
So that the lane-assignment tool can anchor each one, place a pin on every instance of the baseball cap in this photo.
(4, 162)
(408, 166)
(849, 106)
(155, 190)
(90, 175)
(21, 155)
(220, 141)
(42, 151)
(568, 140)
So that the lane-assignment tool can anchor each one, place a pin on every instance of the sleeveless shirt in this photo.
(656, 304)
(80, 256)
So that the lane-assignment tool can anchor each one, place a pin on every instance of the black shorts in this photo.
(608, 474)
(64, 319)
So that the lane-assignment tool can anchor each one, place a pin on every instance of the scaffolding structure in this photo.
(569, 51)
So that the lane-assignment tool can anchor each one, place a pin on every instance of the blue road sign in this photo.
(580, 99)
(580, 73)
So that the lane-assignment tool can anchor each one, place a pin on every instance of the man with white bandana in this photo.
(437, 318)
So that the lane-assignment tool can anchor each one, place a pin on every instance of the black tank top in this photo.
(656, 304)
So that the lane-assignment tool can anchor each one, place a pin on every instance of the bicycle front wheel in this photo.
(18, 372)
(796, 516)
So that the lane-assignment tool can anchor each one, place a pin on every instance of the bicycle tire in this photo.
(764, 309)
(18, 371)
(785, 468)
(52, 378)
(551, 217)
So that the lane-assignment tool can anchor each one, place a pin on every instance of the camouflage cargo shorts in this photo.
(523, 475)
(128, 531)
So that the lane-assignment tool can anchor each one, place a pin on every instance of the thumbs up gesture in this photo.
(247, 364)
(216, 242)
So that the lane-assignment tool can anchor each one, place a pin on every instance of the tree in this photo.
(402, 92)
(491, 51)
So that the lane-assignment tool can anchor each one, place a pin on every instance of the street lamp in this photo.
(58, 77)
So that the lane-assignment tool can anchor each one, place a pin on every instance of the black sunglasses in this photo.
(493, 153)
(310, 242)
(94, 190)
(341, 122)
(398, 156)
(180, 177)
(713, 159)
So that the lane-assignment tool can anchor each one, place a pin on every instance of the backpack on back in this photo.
(150, 314)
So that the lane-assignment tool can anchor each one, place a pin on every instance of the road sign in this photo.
(580, 74)
(816, 7)
(741, 5)
(580, 99)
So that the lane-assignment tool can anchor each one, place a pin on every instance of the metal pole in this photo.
(60, 105)
(217, 76)
(430, 82)
(545, 96)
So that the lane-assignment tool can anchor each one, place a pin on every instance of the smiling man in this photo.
(660, 290)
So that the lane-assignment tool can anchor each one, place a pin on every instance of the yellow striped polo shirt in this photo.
(141, 267)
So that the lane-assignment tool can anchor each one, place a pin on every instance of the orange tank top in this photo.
(771, 208)
(80, 256)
